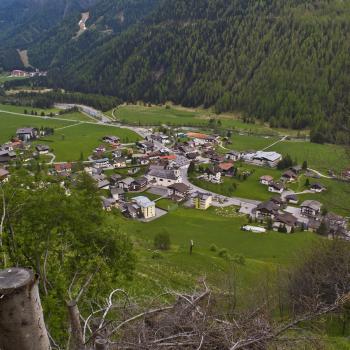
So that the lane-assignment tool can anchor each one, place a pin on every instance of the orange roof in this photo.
(225, 166)
(196, 135)
(170, 157)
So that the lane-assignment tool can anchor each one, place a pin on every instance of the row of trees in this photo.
(48, 99)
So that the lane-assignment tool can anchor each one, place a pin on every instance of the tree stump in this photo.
(22, 324)
(101, 344)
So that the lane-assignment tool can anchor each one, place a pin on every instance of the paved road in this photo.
(275, 143)
(319, 174)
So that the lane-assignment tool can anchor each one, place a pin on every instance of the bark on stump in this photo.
(101, 344)
(77, 341)
(21, 316)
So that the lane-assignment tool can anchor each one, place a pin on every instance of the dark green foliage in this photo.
(282, 229)
(213, 248)
(321, 272)
(47, 100)
(304, 166)
(285, 163)
(63, 239)
(162, 240)
(323, 229)
(233, 54)
(223, 253)
(285, 62)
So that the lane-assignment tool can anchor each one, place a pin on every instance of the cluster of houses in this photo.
(18, 73)
(308, 216)
(289, 176)
(20, 144)
(152, 164)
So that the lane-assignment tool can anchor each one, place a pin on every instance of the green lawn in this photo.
(9, 123)
(69, 140)
(20, 109)
(69, 143)
(249, 188)
(320, 157)
(76, 116)
(179, 116)
(250, 142)
(336, 198)
(177, 269)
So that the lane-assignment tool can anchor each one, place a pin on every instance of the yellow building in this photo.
(202, 201)
(147, 207)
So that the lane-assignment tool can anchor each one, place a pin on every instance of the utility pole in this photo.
(191, 246)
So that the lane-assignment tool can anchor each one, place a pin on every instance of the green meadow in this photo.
(70, 139)
(69, 143)
(21, 109)
(176, 268)
(336, 198)
(320, 157)
(249, 188)
(9, 123)
(178, 116)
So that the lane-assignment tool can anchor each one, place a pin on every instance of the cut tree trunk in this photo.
(77, 342)
(22, 324)
(101, 344)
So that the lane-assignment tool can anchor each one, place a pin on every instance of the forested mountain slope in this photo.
(283, 61)
(23, 22)
(286, 62)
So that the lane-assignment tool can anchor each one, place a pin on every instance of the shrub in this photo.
(157, 255)
(223, 253)
(213, 248)
(239, 259)
(162, 241)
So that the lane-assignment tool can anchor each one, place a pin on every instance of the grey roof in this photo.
(42, 148)
(286, 218)
(268, 206)
(315, 205)
(276, 185)
(3, 172)
(116, 190)
(201, 195)
(180, 187)
(163, 173)
(103, 183)
(127, 181)
(141, 180)
(25, 130)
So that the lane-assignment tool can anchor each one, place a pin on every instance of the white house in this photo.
(102, 163)
(164, 177)
(262, 158)
(212, 175)
(266, 180)
(276, 187)
(233, 155)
